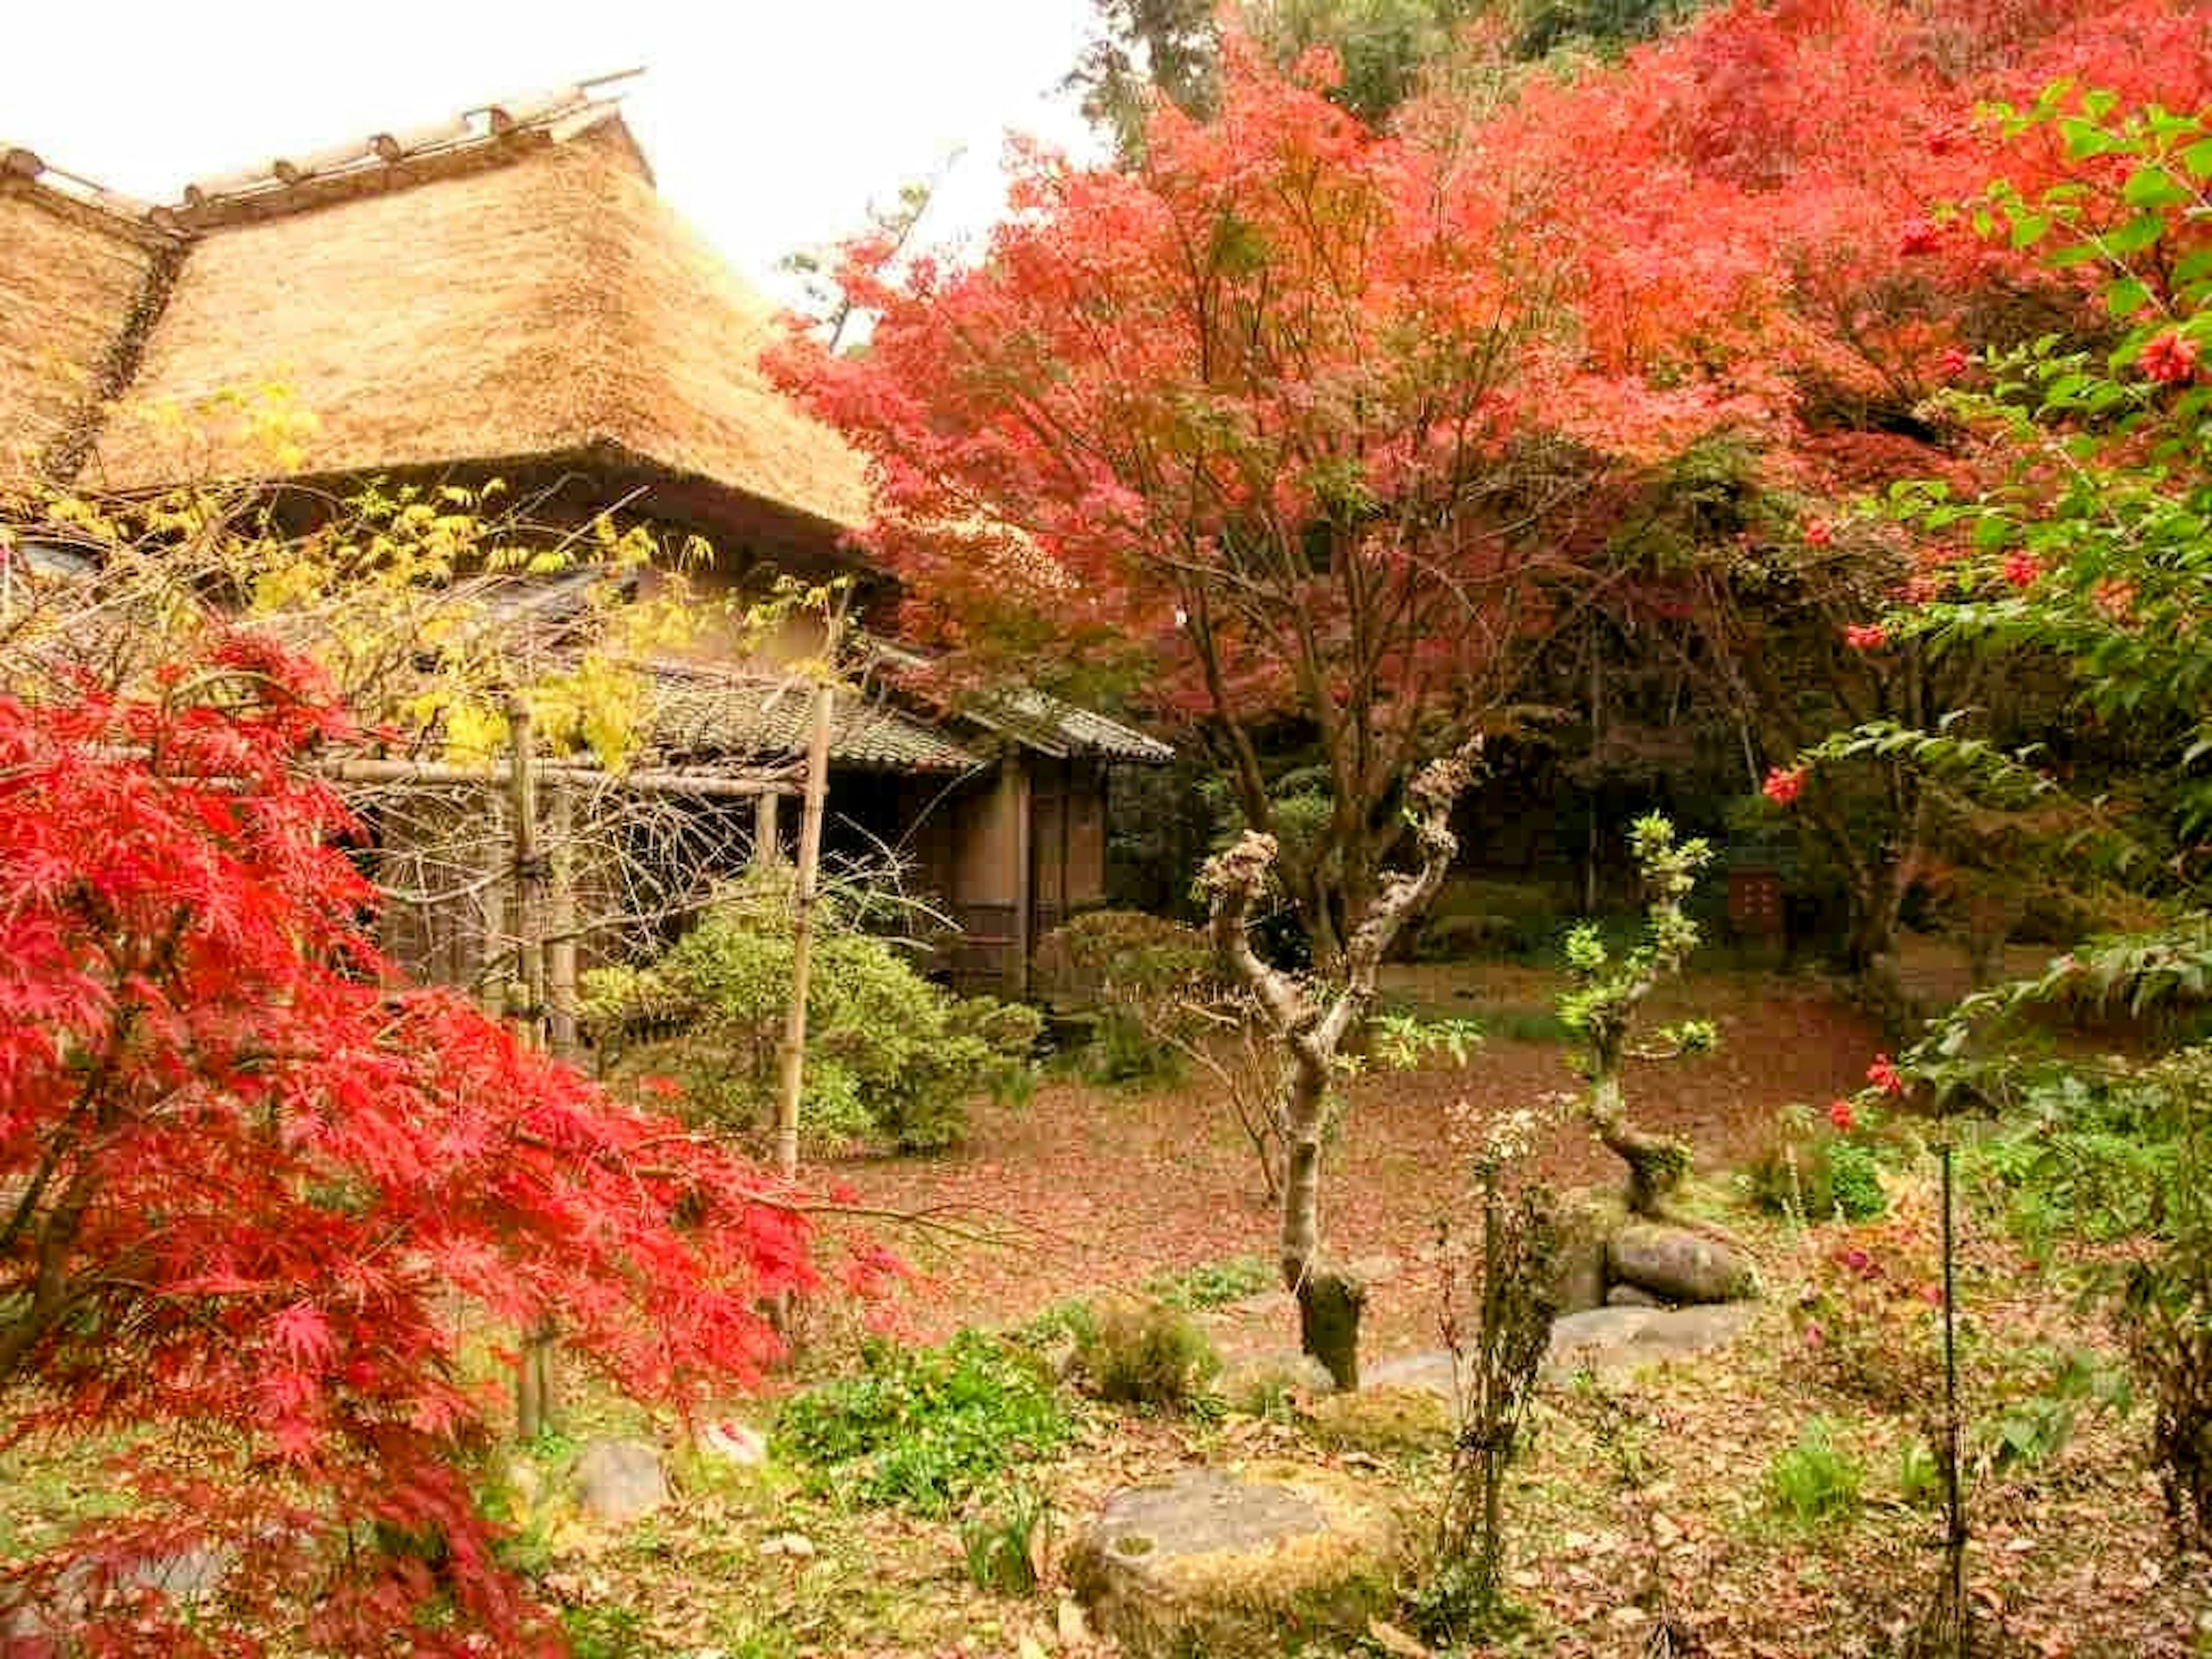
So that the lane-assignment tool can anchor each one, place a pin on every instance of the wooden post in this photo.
(793, 1055)
(561, 920)
(1017, 782)
(534, 1384)
(767, 850)
(529, 927)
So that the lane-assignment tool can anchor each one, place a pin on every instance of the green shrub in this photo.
(2028, 1431)
(1854, 1181)
(1147, 979)
(1146, 1354)
(1005, 1539)
(607, 1632)
(1919, 1476)
(890, 1056)
(923, 1429)
(1805, 1168)
(1472, 919)
(2089, 1159)
(1812, 1482)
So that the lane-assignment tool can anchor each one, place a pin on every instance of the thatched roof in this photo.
(502, 293)
(71, 275)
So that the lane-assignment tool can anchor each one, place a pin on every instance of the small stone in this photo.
(1255, 1385)
(1074, 1630)
(1610, 1341)
(1431, 1370)
(734, 1443)
(1585, 1222)
(796, 1545)
(620, 1480)
(1379, 1269)
(1631, 1296)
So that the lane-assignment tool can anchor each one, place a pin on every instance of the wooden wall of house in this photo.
(988, 859)
(1068, 839)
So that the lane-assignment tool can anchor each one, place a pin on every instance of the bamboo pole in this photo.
(559, 940)
(728, 786)
(535, 1389)
(793, 1056)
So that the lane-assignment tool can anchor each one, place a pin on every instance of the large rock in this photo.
(1214, 1565)
(187, 1578)
(619, 1480)
(1678, 1265)
(1611, 1341)
(1585, 1222)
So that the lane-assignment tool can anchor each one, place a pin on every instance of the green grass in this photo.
(922, 1429)
(1212, 1284)
(1814, 1482)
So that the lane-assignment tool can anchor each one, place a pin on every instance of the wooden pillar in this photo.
(529, 924)
(1015, 780)
(767, 849)
(535, 1385)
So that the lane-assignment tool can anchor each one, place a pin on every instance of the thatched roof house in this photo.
(507, 294)
(504, 293)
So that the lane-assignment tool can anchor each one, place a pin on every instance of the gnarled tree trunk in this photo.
(1316, 1031)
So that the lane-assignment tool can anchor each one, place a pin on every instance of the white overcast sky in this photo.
(770, 124)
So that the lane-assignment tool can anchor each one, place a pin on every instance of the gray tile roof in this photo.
(706, 712)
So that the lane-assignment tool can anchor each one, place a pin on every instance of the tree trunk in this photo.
(1657, 1164)
(1314, 1033)
(1329, 1306)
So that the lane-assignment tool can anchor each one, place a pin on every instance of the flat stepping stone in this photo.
(1605, 1340)
(1221, 1563)
(1612, 1340)
(1431, 1370)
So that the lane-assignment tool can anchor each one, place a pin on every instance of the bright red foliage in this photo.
(247, 1190)
(1764, 198)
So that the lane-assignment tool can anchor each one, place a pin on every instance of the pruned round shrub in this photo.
(1143, 1354)
(890, 1056)
(1143, 977)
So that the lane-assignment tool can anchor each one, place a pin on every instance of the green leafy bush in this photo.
(1149, 980)
(890, 1056)
(924, 1429)
(1804, 1167)
(1473, 920)
(1814, 1482)
(1146, 1354)
(2094, 1159)
(1919, 1475)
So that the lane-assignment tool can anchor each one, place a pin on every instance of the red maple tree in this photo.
(246, 1187)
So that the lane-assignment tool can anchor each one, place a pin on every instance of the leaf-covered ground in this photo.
(1650, 1507)
(1108, 1187)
